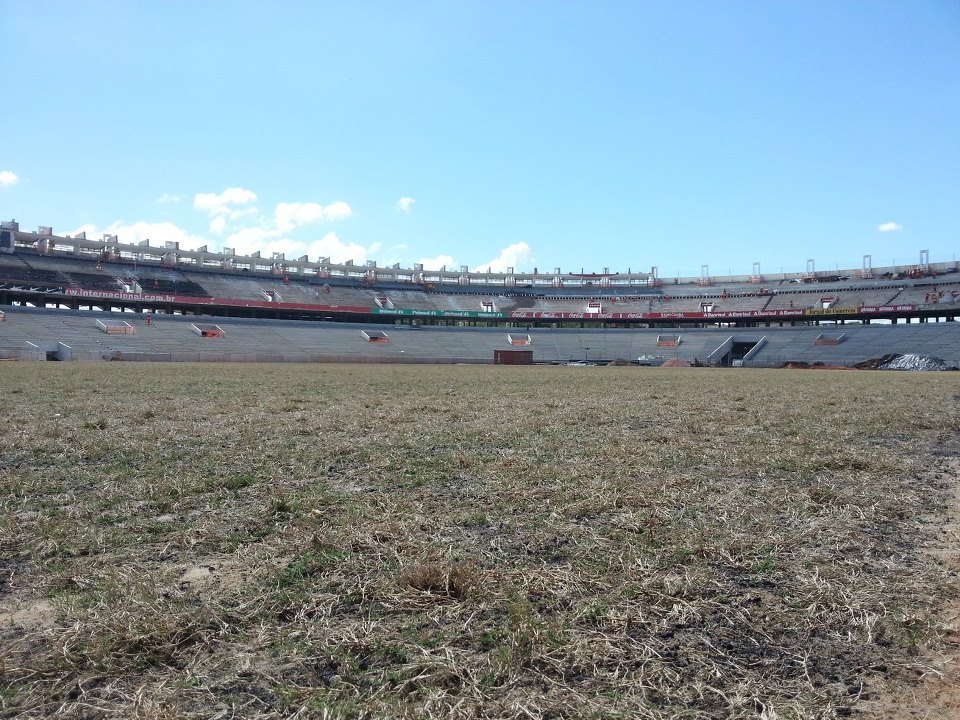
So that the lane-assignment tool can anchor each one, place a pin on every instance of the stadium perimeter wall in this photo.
(41, 334)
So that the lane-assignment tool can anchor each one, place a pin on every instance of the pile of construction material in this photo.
(906, 361)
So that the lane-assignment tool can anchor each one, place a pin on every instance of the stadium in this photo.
(307, 492)
(79, 298)
(480, 360)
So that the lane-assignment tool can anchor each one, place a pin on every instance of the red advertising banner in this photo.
(717, 315)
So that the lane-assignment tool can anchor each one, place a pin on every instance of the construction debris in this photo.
(906, 361)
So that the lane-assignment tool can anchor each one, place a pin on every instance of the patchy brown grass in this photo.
(452, 542)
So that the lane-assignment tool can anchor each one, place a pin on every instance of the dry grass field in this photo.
(213, 541)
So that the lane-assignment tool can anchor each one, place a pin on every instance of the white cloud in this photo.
(218, 225)
(240, 225)
(338, 211)
(168, 199)
(233, 205)
(518, 256)
(269, 241)
(219, 204)
(331, 246)
(157, 233)
(8, 178)
(244, 212)
(889, 227)
(435, 263)
(291, 215)
(90, 230)
(393, 255)
(249, 240)
(405, 204)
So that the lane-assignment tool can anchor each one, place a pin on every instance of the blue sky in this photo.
(531, 134)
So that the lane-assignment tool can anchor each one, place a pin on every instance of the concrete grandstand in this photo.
(55, 290)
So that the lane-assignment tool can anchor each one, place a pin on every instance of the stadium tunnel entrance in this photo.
(735, 350)
(739, 351)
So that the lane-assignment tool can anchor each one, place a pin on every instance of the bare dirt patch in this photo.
(935, 693)
(28, 615)
(226, 573)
